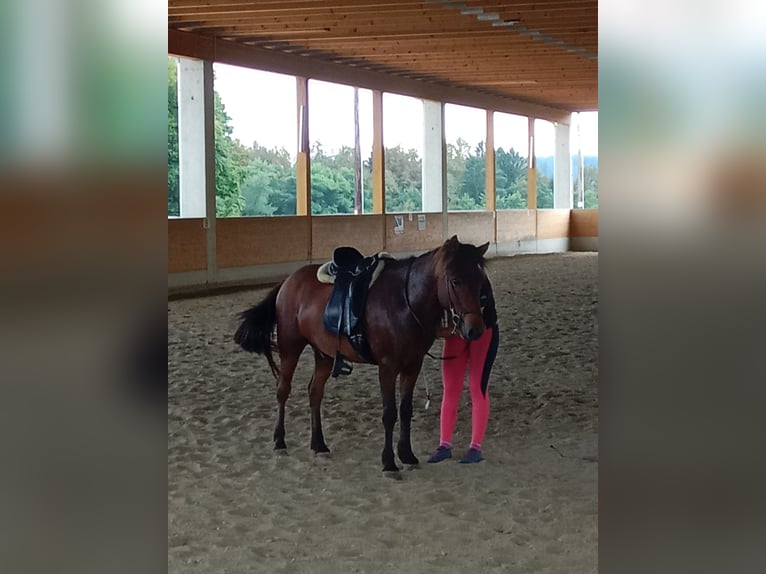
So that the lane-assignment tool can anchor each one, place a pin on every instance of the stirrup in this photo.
(340, 366)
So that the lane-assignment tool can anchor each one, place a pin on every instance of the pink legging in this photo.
(478, 355)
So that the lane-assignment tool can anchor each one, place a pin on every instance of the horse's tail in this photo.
(256, 330)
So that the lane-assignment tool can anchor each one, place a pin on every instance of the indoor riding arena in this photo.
(246, 210)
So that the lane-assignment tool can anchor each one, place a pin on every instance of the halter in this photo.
(455, 317)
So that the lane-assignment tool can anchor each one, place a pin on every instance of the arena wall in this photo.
(257, 250)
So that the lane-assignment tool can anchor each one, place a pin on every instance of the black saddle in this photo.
(345, 309)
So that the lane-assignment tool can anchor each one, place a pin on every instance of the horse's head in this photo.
(459, 272)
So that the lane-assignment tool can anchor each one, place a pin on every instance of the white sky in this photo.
(262, 108)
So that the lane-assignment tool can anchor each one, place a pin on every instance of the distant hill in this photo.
(545, 164)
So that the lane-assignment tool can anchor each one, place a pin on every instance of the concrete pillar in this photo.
(378, 157)
(434, 184)
(531, 167)
(379, 164)
(580, 169)
(490, 188)
(303, 161)
(191, 138)
(211, 223)
(562, 172)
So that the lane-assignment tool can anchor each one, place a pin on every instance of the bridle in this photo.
(455, 318)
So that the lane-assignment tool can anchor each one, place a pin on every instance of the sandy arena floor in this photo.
(234, 506)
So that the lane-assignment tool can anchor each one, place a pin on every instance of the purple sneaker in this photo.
(471, 455)
(440, 454)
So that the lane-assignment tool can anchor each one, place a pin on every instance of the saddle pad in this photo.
(324, 277)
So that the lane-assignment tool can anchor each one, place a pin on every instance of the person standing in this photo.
(477, 357)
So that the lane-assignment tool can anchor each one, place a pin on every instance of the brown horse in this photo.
(403, 311)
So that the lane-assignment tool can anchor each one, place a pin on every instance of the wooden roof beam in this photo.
(204, 47)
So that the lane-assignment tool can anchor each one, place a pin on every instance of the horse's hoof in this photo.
(322, 454)
(413, 466)
(280, 451)
(410, 460)
(392, 474)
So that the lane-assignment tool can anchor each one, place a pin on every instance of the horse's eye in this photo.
(456, 282)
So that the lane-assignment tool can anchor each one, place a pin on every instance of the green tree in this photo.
(344, 157)
(332, 181)
(279, 157)
(173, 182)
(403, 180)
(231, 162)
(590, 184)
(257, 188)
(590, 174)
(457, 155)
(231, 159)
(510, 179)
(367, 184)
(284, 195)
(465, 176)
(332, 190)
(544, 191)
(269, 187)
(472, 185)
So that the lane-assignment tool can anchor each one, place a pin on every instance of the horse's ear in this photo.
(483, 248)
(452, 240)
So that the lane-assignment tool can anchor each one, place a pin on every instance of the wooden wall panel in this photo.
(187, 245)
(516, 225)
(252, 241)
(365, 232)
(583, 223)
(246, 241)
(475, 227)
(552, 223)
(414, 239)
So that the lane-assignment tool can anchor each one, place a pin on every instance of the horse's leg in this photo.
(407, 382)
(322, 369)
(288, 363)
(387, 380)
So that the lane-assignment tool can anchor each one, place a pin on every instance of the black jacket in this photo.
(487, 300)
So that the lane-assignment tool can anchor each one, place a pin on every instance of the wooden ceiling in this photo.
(542, 52)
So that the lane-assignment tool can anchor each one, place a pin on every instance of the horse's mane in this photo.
(453, 252)
(445, 255)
